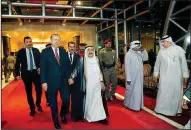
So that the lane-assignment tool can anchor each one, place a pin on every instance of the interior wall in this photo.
(87, 32)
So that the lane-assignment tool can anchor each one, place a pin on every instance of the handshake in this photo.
(70, 81)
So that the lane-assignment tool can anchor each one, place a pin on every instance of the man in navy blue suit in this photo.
(55, 71)
(28, 62)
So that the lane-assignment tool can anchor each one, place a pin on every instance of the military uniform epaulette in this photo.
(103, 50)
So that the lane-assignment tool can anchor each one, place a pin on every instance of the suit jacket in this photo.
(51, 72)
(75, 61)
(21, 60)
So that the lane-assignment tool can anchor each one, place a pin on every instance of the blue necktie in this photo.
(30, 58)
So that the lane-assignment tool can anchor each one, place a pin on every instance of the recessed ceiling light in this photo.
(79, 2)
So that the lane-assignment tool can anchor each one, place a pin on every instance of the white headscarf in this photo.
(133, 44)
(166, 38)
(92, 60)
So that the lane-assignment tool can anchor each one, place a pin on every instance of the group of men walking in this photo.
(56, 70)
(91, 80)
(170, 68)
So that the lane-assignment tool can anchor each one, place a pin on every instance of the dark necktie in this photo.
(71, 58)
(57, 56)
(30, 58)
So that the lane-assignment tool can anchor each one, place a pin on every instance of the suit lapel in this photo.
(60, 55)
(25, 56)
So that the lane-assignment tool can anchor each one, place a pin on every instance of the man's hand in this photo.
(38, 70)
(18, 77)
(185, 80)
(184, 104)
(156, 79)
(70, 81)
(102, 86)
(141, 49)
(45, 86)
(129, 82)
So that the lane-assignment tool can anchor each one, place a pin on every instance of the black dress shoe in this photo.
(108, 99)
(57, 126)
(32, 113)
(114, 97)
(74, 119)
(63, 120)
(105, 122)
(39, 108)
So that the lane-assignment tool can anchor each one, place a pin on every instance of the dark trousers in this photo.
(30, 77)
(52, 97)
(77, 102)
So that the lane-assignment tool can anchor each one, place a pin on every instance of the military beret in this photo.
(106, 41)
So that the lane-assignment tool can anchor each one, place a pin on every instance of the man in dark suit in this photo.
(55, 71)
(28, 61)
(46, 93)
(75, 89)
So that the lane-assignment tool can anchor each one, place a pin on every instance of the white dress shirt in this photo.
(28, 59)
(72, 57)
(53, 48)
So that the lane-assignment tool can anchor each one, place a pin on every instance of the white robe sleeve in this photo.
(127, 67)
(145, 55)
(183, 62)
(157, 65)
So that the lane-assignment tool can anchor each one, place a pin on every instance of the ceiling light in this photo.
(149, 25)
(137, 26)
(79, 2)
(188, 39)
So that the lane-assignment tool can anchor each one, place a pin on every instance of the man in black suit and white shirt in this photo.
(28, 62)
(76, 94)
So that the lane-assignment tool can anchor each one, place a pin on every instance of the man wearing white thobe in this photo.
(94, 85)
(172, 67)
(134, 76)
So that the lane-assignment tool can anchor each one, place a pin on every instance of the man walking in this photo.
(172, 67)
(28, 61)
(55, 71)
(134, 76)
(108, 60)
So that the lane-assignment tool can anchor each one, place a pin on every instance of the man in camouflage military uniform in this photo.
(108, 61)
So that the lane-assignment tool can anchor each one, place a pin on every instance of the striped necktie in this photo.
(57, 56)
(31, 59)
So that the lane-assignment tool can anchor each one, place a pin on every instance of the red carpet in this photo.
(151, 102)
(15, 114)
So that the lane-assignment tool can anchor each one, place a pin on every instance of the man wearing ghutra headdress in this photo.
(92, 83)
(172, 67)
(134, 76)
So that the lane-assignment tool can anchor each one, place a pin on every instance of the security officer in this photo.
(108, 61)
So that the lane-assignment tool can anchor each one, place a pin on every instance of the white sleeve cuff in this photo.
(156, 74)
(185, 74)
(186, 98)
